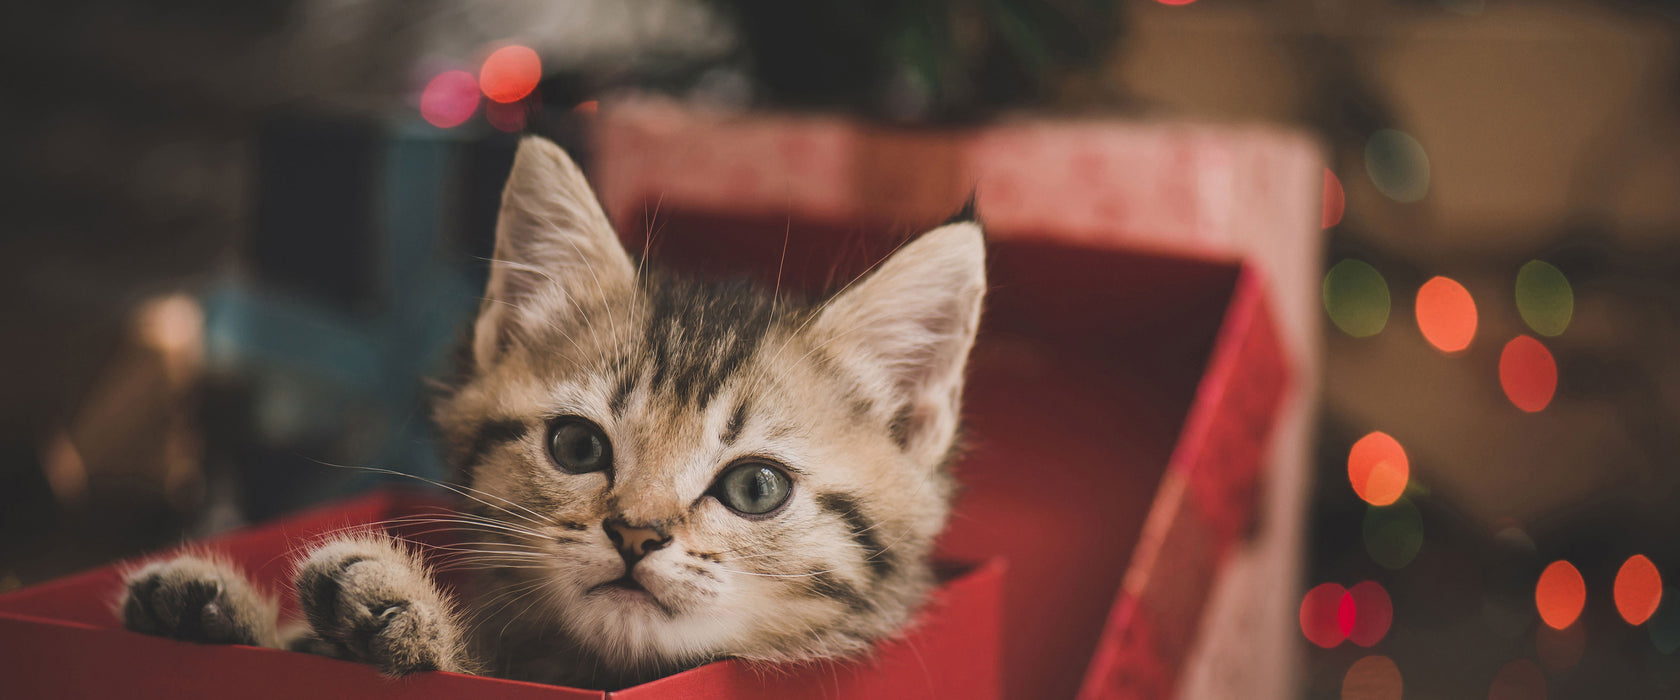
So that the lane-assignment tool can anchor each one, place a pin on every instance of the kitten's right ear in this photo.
(555, 251)
(905, 331)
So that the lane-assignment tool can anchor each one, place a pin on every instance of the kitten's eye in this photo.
(578, 446)
(753, 488)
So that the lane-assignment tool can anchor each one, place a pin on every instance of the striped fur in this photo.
(857, 398)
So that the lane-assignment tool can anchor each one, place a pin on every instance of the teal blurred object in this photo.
(352, 299)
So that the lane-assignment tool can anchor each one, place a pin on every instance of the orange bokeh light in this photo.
(1378, 469)
(1372, 678)
(588, 107)
(1560, 595)
(1638, 589)
(1335, 200)
(1446, 314)
(1528, 373)
(1519, 680)
(1560, 650)
(510, 73)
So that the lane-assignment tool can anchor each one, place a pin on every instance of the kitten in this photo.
(664, 472)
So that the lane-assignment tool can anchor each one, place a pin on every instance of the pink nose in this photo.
(634, 541)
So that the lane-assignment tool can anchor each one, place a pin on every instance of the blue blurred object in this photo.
(365, 266)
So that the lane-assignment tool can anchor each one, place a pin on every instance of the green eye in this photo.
(753, 488)
(578, 446)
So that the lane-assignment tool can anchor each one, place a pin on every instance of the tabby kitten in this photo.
(663, 472)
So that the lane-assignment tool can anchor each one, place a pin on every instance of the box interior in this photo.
(1087, 364)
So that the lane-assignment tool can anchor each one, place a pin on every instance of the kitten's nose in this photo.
(634, 541)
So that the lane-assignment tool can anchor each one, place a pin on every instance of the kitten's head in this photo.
(690, 470)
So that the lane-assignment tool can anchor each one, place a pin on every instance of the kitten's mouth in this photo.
(624, 582)
(625, 589)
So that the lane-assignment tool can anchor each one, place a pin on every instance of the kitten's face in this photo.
(689, 471)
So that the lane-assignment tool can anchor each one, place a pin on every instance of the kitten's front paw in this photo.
(197, 599)
(367, 600)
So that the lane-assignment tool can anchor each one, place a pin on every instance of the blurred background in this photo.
(239, 236)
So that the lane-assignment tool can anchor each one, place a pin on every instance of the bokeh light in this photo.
(1544, 298)
(1175, 3)
(1446, 314)
(587, 107)
(1327, 614)
(1356, 297)
(1335, 200)
(1519, 680)
(1372, 678)
(510, 73)
(1378, 469)
(1397, 165)
(449, 99)
(1665, 624)
(1347, 615)
(1373, 613)
(1528, 373)
(506, 116)
(1638, 589)
(1509, 533)
(1560, 594)
(1393, 533)
(1560, 650)
(1468, 8)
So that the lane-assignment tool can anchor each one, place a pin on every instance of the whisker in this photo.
(805, 575)
(461, 491)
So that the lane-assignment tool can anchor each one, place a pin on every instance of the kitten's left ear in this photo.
(555, 251)
(906, 330)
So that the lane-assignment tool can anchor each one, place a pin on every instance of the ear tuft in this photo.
(968, 214)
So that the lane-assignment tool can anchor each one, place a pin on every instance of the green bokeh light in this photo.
(1544, 298)
(1665, 624)
(1393, 533)
(1356, 297)
(1397, 165)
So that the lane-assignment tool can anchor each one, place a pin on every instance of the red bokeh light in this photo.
(1519, 680)
(1323, 613)
(587, 107)
(1638, 589)
(1446, 314)
(1335, 200)
(1560, 594)
(1347, 615)
(1378, 469)
(510, 73)
(449, 99)
(1374, 613)
(506, 116)
(1528, 373)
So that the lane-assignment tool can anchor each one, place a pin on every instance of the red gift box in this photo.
(62, 639)
(1214, 191)
(1116, 413)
